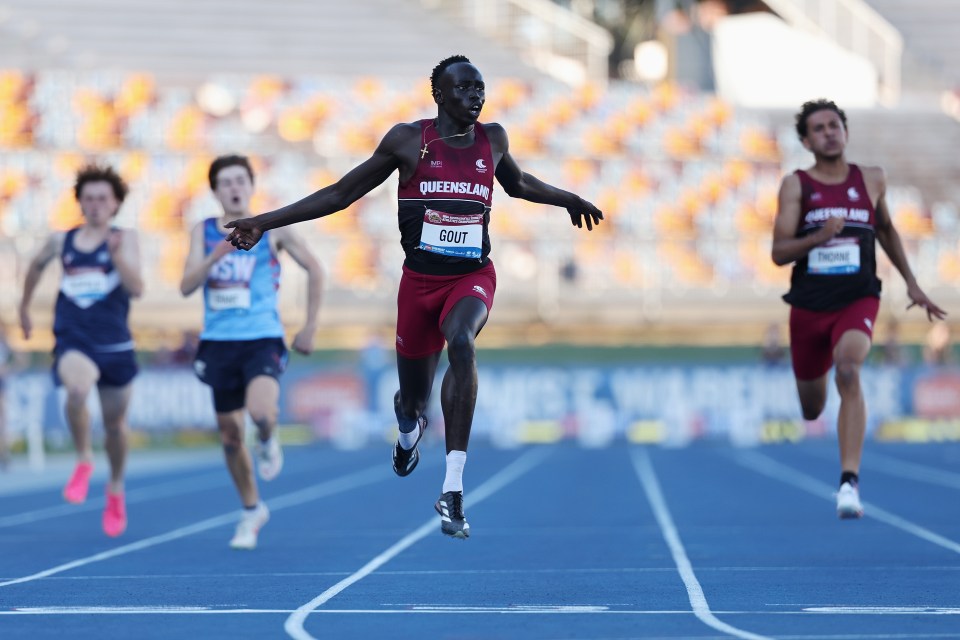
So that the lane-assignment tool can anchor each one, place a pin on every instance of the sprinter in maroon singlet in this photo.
(828, 219)
(446, 167)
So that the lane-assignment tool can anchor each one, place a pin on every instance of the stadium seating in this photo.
(688, 183)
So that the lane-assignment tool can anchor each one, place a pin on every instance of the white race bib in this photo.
(839, 256)
(228, 298)
(449, 234)
(92, 283)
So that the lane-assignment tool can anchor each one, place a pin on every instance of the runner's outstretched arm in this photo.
(354, 185)
(519, 184)
(889, 240)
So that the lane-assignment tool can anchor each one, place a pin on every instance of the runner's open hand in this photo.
(245, 233)
(585, 212)
(919, 299)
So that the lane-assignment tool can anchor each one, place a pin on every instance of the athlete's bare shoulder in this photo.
(875, 175)
(51, 248)
(56, 239)
(197, 227)
(401, 133)
(497, 135)
(876, 180)
(790, 184)
(401, 142)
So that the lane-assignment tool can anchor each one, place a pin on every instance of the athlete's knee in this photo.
(461, 348)
(812, 411)
(847, 376)
(263, 416)
(231, 439)
(812, 404)
(77, 393)
(114, 427)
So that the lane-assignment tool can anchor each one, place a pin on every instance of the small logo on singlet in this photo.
(816, 196)
(481, 167)
(68, 257)
(852, 194)
(399, 341)
(869, 324)
(480, 290)
(103, 257)
(436, 164)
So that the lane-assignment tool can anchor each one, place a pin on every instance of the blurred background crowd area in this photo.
(675, 118)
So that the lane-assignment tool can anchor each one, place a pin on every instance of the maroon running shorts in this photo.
(424, 301)
(814, 334)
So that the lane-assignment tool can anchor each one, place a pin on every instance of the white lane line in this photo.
(885, 611)
(777, 470)
(294, 624)
(323, 489)
(163, 490)
(701, 608)
(434, 572)
(516, 609)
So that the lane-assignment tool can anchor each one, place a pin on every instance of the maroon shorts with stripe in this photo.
(814, 334)
(424, 301)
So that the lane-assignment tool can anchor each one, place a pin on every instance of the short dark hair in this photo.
(811, 107)
(100, 173)
(223, 162)
(442, 66)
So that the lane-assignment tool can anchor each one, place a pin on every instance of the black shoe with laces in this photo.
(405, 460)
(452, 521)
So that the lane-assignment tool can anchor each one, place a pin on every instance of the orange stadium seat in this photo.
(136, 94)
(187, 131)
(66, 213)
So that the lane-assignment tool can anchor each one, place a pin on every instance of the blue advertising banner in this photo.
(352, 405)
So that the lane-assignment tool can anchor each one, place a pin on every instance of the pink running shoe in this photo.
(115, 515)
(79, 483)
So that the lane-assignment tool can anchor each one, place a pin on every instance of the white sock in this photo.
(409, 439)
(454, 479)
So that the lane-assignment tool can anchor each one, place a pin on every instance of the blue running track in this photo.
(623, 542)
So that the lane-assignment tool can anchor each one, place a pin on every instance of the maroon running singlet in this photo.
(835, 287)
(444, 215)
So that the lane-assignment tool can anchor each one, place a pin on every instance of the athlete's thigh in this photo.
(419, 303)
(810, 344)
(852, 333)
(76, 370)
(263, 395)
(114, 402)
(469, 302)
(467, 314)
(852, 347)
(812, 394)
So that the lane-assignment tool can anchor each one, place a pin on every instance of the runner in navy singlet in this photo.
(829, 219)
(101, 272)
(446, 167)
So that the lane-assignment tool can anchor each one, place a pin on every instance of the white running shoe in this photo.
(848, 502)
(249, 526)
(269, 458)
